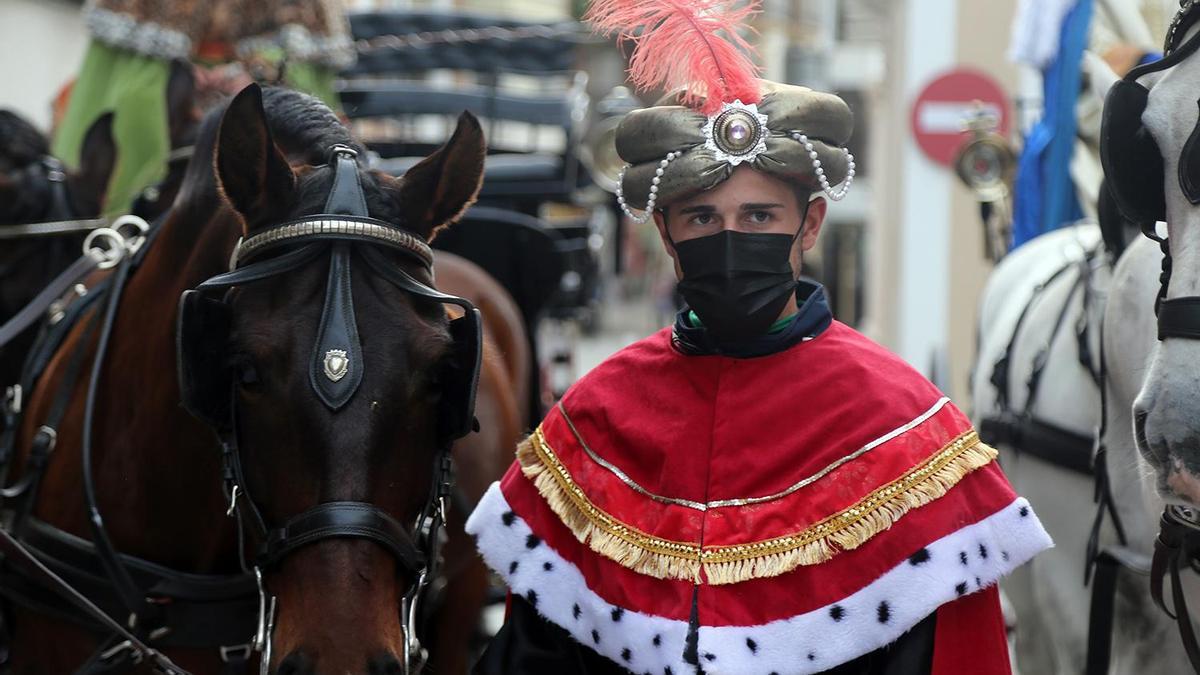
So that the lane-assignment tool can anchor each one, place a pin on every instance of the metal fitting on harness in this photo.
(13, 399)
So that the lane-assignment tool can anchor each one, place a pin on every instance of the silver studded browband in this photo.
(367, 229)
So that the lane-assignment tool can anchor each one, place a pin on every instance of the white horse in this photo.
(1163, 379)
(1032, 311)
(1154, 431)
(1045, 280)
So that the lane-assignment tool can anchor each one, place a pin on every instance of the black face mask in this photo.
(737, 282)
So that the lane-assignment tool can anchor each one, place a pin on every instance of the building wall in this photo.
(43, 43)
(984, 51)
(926, 237)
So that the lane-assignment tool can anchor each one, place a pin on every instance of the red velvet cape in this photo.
(811, 504)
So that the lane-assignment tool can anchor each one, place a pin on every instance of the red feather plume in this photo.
(692, 44)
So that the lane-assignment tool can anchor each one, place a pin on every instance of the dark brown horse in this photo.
(35, 189)
(157, 469)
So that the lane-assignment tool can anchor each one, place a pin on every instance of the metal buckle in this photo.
(343, 151)
(135, 655)
(266, 624)
(233, 495)
(51, 436)
(415, 655)
(58, 309)
(443, 508)
(236, 653)
(13, 398)
(55, 172)
(1187, 516)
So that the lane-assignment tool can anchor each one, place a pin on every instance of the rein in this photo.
(1177, 546)
(58, 215)
(128, 644)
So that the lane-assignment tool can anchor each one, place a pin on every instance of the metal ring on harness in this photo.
(108, 256)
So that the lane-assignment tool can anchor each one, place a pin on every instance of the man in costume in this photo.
(759, 488)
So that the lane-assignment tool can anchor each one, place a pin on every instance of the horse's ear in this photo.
(436, 191)
(181, 99)
(252, 173)
(97, 158)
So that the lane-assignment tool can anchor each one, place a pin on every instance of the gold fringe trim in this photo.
(851, 527)
(629, 546)
(666, 559)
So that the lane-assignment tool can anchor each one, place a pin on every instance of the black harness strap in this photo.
(1177, 545)
(1024, 431)
(141, 612)
(1179, 318)
(1039, 438)
(1107, 565)
(45, 440)
(341, 519)
(36, 309)
(15, 552)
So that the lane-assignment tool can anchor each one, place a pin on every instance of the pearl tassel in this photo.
(658, 173)
(835, 195)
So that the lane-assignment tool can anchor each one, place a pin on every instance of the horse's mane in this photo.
(20, 142)
(304, 128)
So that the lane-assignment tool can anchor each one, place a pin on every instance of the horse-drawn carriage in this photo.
(528, 230)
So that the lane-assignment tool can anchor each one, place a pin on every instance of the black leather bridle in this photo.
(58, 217)
(334, 374)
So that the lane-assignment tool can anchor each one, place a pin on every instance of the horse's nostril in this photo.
(295, 663)
(1139, 430)
(385, 664)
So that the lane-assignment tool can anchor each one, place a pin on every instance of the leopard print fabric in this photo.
(306, 30)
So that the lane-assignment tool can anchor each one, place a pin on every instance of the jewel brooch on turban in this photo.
(720, 115)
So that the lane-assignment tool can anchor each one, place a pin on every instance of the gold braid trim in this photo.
(666, 559)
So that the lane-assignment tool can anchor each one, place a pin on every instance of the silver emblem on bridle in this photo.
(337, 364)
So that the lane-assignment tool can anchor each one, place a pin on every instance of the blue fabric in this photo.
(813, 317)
(1044, 196)
(1149, 57)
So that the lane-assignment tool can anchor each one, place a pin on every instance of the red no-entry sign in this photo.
(940, 113)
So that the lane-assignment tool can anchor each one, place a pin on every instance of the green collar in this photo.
(776, 327)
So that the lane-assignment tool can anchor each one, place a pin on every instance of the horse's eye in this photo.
(242, 367)
(247, 374)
